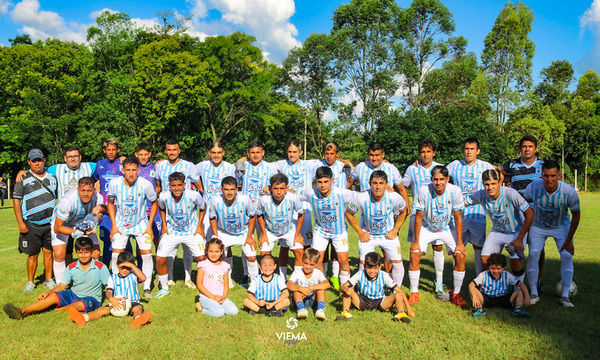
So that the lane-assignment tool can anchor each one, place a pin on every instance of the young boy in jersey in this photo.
(91, 221)
(124, 283)
(86, 278)
(366, 291)
(267, 293)
(492, 288)
(309, 284)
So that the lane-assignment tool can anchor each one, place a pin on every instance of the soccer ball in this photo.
(572, 290)
(125, 307)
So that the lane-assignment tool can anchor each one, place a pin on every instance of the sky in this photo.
(561, 29)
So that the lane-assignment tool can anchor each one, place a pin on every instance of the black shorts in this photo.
(497, 301)
(370, 304)
(36, 239)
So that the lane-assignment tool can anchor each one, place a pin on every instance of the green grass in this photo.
(440, 329)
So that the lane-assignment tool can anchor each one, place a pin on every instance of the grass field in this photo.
(439, 329)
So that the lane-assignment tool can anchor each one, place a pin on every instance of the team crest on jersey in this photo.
(538, 170)
(152, 174)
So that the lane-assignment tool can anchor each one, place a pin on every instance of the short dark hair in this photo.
(84, 243)
(324, 172)
(426, 143)
(267, 257)
(278, 179)
(216, 144)
(491, 174)
(528, 138)
(103, 209)
(172, 141)
(471, 140)
(86, 180)
(216, 241)
(372, 259)
(297, 143)
(330, 145)
(143, 146)
(379, 174)
(550, 164)
(374, 146)
(255, 143)
(497, 259)
(228, 180)
(72, 148)
(125, 256)
(439, 169)
(131, 160)
(177, 175)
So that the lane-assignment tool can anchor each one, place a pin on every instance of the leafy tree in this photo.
(24, 39)
(539, 121)
(556, 79)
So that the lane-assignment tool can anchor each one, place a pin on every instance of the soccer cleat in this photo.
(12, 311)
(140, 320)
(539, 288)
(479, 312)
(76, 316)
(534, 299)
(439, 287)
(402, 317)
(344, 315)
(171, 283)
(252, 312)
(147, 293)
(335, 282)
(458, 300)
(320, 314)
(29, 287)
(50, 284)
(190, 284)
(520, 312)
(275, 313)
(565, 302)
(443, 296)
(162, 293)
(413, 299)
(302, 314)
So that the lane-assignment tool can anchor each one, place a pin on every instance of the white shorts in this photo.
(62, 239)
(233, 240)
(391, 247)
(306, 231)
(445, 237)
(119, 241)
(339, 242)
(538, 236)
(285, 240)
(411, 231)
(169, 243)
(473, 232)
(496, 241)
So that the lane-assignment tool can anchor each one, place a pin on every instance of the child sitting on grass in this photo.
(267, 293)
(492, 288)
(309, 283)
(124, 283)
(366, 291)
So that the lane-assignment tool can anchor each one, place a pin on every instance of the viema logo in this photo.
(288, 337)
(291, 323)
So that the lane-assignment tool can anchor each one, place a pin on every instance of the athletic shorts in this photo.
(119, 241)
(538, 236)
(370, 304)
(169, 243)
(36, 239)
(339, 242)
(445, 237)
(62, 239)
(391, 247)
(496, 241)
(286, 240)
(497, 301)
(233, 240)
(473, 232)
(68, 297)
(411, 231)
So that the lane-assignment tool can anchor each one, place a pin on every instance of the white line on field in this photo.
(12, 248)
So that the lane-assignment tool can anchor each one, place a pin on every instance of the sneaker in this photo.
(443, 296)
(335, 282)
(171, 283)
(414, 298)
(479, 312)
(520, 312)
(12, 311)
(162, 293)
(147, 293)
(458, 300)
(534, 299)
(50, 284)
(245, 281)
(302, 314)
(320, 314)
(439, 287)
(199, 307)
(402, 317)
(344, 315)
(29, 287)
(565, 302)
(252, 312)
(76, 316)
(275, 313)
(190, 284)
(540, 289)
(140, 320)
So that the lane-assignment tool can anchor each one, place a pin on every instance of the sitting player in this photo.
(267, 293)
(370, 286)
(90, 221)
(309, 283)
(492, 289)
(86, 277)
(124, 283)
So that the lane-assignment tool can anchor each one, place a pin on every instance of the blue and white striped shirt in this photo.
(300, 175)
(182, 216)
(506, 212)
(494, 288)
(37, 203)
(131, 215)
(328, 211)
(212, 176)
(267, 291)
(362, 172)
(340, 173)
(521, 174)
(234, 219)
(279, 219)
(256, 178)
(164, 169)
(438, 210)
(72, 211)
(417, 176)
(377, 218)
(468, 179)
(372, 288)
(124, 286)
(69, 179)
(552, 210)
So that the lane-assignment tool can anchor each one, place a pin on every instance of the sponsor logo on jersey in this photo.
(328, 215)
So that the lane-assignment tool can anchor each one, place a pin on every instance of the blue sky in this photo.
(561, 30)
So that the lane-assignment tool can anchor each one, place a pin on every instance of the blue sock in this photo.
(321, 305)
(300, 305)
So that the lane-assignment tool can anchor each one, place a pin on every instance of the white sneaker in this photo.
(29, 287)
(320, 314)
(50, 284)
(302, 314)
(534, 299)
(171, 283)
(565, 302)
(190, 284)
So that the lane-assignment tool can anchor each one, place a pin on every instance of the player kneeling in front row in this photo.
(491, 288)
(124, 283)
(370, 286)
(308, 284)
(267, 293)
(86, 277)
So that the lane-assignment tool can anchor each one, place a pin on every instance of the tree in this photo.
(506, 57)
(556, 79)
(24, 39)
(539, 121)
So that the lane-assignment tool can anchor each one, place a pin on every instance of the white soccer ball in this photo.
(125, 306)
(572, 290)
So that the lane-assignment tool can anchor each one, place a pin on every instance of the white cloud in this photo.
(590, 21)
(95, 14)
(41, 24)
(4, 5)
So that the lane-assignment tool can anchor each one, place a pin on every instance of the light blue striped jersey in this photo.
(68, 179)
(438, 210)
(279, 219)
(328, 211)
(494, 288)
(552, 210)
(212, 176)
(37, 202)
(377, 218)
(234, 219)
(340, 174)
(417, 176)
(506, 212)
(372, 288)
(267, 291)
(468, 179)
(363, 171)
(182, 216)
(72, 210)
(164, 169)
(255, 178)
(124, 286)
(131, 215)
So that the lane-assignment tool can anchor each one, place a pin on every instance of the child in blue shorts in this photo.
(86, 277)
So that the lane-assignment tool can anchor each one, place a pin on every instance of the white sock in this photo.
(245, 264)
(187, 264)
(344, 276)
(335, 268)
(147, 266)
(477, 261)
(283, 271)
(413, 277)
(252, 269)
(398, 273)
(459, 276)
(164, 281)
(86, 317)
(59, 270)
(533, 270)
(229, 260)
(325, 268)
(438, 262)
(113, 263)
(566, 272)
(170, 263)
